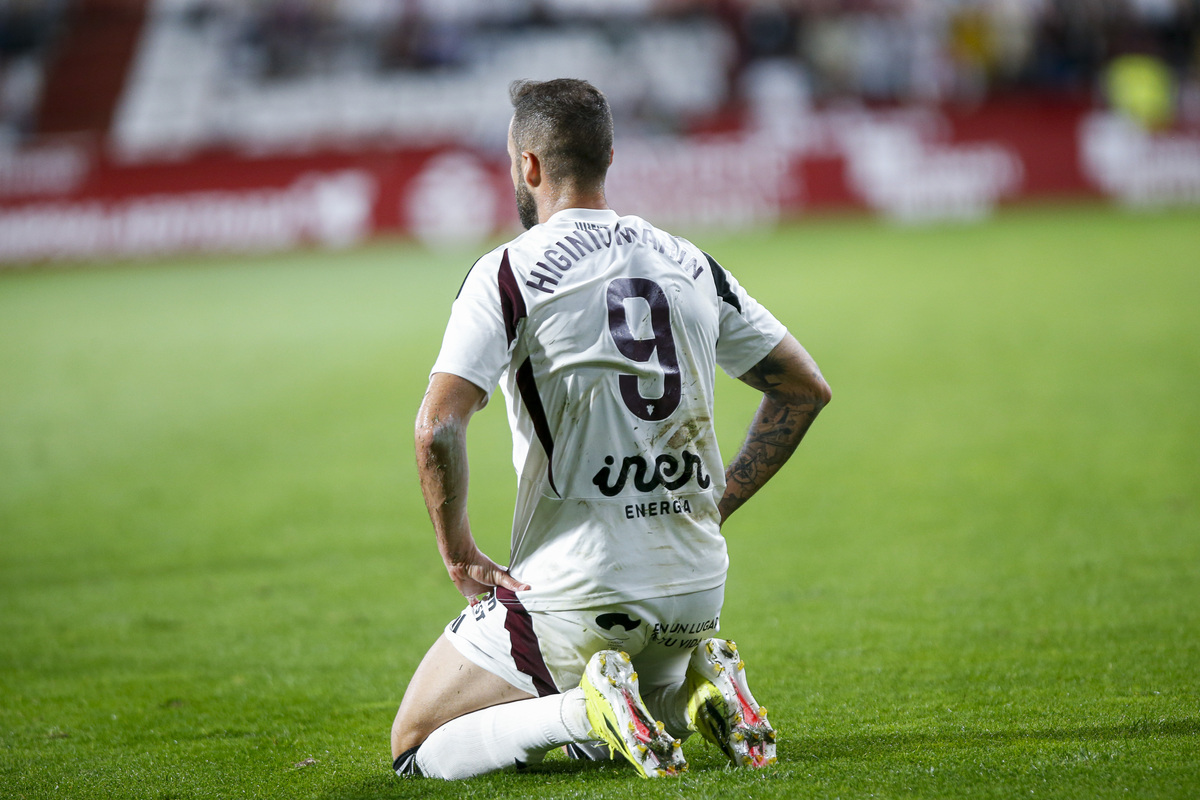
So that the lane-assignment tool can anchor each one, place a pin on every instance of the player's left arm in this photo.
(441, 445)
(794, 392)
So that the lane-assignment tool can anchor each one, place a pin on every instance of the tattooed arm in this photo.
(793, 394)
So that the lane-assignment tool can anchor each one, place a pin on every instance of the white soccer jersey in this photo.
(604, 333)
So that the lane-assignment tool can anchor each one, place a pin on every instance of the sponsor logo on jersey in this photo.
(657, 508)
(669, 473)
(685, 635)
(613, 619)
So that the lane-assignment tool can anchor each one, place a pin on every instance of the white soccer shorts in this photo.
(545, 652)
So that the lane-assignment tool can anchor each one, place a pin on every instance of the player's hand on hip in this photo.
(478, 574)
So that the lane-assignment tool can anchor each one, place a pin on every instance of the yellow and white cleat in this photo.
(620, 719)
(722, 709)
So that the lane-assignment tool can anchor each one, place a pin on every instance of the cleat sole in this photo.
(620, 719)
(724, 711)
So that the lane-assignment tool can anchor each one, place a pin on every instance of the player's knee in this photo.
(403, 741)
(407, 734)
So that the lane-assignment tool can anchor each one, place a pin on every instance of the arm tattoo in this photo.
(770, 442)
(764, 375)
(776, 432)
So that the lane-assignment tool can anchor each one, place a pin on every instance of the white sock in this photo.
(668, 704)
(504, 736)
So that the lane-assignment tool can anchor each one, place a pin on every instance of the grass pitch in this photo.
(980, 577)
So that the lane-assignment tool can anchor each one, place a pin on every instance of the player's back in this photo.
(614, 376)
(620, 346)
(605, 333)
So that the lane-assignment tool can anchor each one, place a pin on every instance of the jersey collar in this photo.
(597, 215)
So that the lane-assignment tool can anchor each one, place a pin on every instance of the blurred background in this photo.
(133, 127)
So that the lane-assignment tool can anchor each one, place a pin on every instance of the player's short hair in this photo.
(567, 124)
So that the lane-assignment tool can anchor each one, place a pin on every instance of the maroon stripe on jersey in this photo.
(525, 651)
(512, 303)
(724, 290)
(537, 412)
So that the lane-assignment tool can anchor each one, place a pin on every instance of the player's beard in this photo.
(526, 206)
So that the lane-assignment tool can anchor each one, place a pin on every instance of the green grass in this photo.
(979, 578)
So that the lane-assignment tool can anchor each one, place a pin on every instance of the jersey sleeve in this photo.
(748, 331)
(475, 345)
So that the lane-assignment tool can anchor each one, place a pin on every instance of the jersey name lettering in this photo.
(590, 238)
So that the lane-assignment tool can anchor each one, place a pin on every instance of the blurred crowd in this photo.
(879, 49)
(811, 51)
(874, 49)
(27, 31)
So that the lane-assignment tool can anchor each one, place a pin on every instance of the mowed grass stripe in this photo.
(976, 580)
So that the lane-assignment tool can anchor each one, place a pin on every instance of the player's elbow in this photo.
(790, 376)
(435, 437)
(805, 388)
(811, 384)
(441, 425)
(820, 391)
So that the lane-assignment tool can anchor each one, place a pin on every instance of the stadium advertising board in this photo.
(66, 201)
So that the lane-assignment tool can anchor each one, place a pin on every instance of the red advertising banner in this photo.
(63, 201)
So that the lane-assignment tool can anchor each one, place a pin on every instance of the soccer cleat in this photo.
(722, 709)
(619, 717)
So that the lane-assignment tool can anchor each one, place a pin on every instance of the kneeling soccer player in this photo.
(604, 333)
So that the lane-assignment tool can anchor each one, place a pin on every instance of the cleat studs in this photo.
(741, 666)
(762, 711)
(633, 677)
(659, 726)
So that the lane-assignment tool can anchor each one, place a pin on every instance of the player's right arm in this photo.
(794, 392)
(441, 445)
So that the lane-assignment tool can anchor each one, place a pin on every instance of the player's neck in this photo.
(551, 204)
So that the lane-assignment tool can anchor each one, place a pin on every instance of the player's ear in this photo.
(531, 168)
(610, 156)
